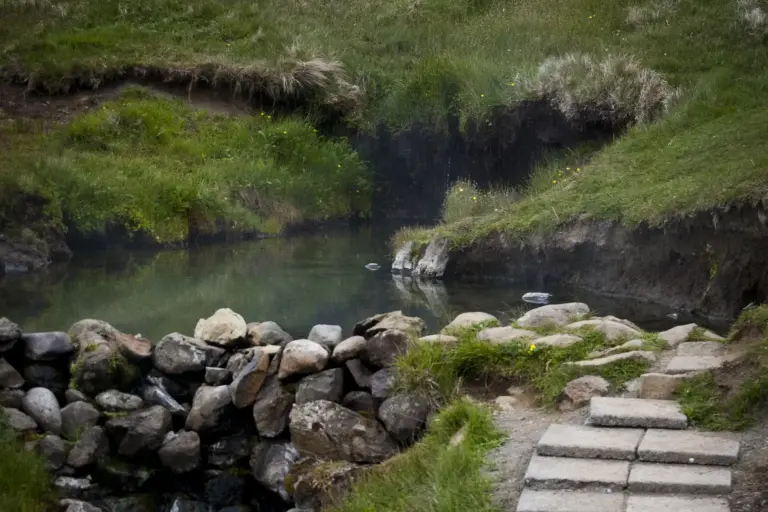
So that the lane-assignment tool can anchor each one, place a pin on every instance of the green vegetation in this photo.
(436, 474)
(25, 485)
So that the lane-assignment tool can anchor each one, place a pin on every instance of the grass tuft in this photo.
(464, 199)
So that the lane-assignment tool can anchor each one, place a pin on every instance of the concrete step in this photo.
(589, 442)
(678, 478)
(568, 473)
(687, 447)
(685, 364)
(571, 501)
(636, 412)
(650, 503)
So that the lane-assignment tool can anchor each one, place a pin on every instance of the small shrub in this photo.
(754, 14)
(464, 199)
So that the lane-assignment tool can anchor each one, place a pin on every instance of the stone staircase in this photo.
(633, 455)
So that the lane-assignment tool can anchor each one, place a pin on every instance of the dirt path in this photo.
(750, 475)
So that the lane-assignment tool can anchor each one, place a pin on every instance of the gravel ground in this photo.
(750, 475)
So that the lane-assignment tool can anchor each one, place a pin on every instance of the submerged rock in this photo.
(224, 327)
(41, 405)
(301, 357)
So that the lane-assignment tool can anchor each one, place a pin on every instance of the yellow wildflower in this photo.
(554, 182)
(461, 189)
(474, 198)
(511, 84)
(531, 348)
(482, 95)
(262, 113)
(269, 117)
(578, 169)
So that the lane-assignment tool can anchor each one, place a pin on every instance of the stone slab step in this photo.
(570, 501)
(685, 364)
(636, 412)
(590, 442)
(687, 447)
(650, 503)
(568, 473)
(701, 348)
(678, 478)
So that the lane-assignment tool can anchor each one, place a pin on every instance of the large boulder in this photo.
(17, 420)
(247, 382)
(612, 330)
(301, 357)
(101, 363)
(117, 401)
(41, 405)
(54, 451)
(327, 430)
(47, 346)
(404, 416)
(140, 430)
(406, 258)
(9, 377)
(432, 264)
(272, 408)
(470, 320)
(382, 349)
(76, 418)
(89, 448)
(326, 335)
(553, 314)
(271, 462)
(326, 385)
(348, 349)
(9, 334)
(382, 383)
(177, 354)
(180, 451)
(225, 328)
(209, 406)
(267, 333)
(360, 373)
(579, 392)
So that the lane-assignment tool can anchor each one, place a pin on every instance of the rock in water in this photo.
(537, 297)
(435, 259)
(328, 430)
(42, 406)
(180, 451)
(225, 328)
(270, 463)
(301, 357)
(373, 266)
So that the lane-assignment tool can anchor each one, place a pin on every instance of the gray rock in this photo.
(650, 503)
(504, 334)
(382, 350)
(636, 412)
(405, 259)
(569, 473)
(140, 430)
(553, 314)
(636, 355)
(237, 362)
(54, 450)
(224, 490)
(76, 418)
(267, 333)
(586, 442)
(47, 346)
(360, 373)
(117, 401)
(612, 330)
(9, 377)
(41, 405)
(19, 421)
(322, 484)
(382, 383)
(557, 340)
(328, 430)
(301, 357)
(134, 348)
(272, 408)
(72, 487)
(579, 392)
(628, 346)
(78, 506)
(247, 382)
(224, 327)
(326, 385)
(11, 398)
(217, 376)
(679, 478)
(92, 445)
(434, 261)
(469, 321)
(348, 349)
(73, 395)
(701, 348)
(396, 320)
(46, 376)
(360, 402)
(180, 451)
(9, 334)
(270, 464)
(181, 505)
(158, 395)
(404, 416)
(661, 386)
(440, 339)
(687, 447)
(177, 354)
(208, 407)
(229, 451)
(326, 335)
(681, 333)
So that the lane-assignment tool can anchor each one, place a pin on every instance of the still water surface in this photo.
(297, 282)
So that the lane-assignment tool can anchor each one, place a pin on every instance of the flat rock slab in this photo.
(570, 501)
(687, 447)
(685, 364)
(637, 355)
(661, 386)
(590, 442)
(636, 412)
(649, 503)
(701, 348)
(567, 473)
(677, 478)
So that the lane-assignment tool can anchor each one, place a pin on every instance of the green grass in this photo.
(433, 475)
(25, 484)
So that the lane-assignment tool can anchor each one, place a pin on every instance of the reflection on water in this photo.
(296, 282)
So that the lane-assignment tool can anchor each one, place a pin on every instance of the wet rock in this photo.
(217, 376)
(406, 258)
(382, 349)
(180, 451)
(326, 385)
(469, 321)
(72, 487)
(272, 408)
(140, 430)
(270, 464)
(158, 395)
(432, 264)
(78, 506)
(45, 376)
(11, 398)
(47, 346)
(267, 333)
(117, 401)
(348, 349)
(247, 382)
(9, 334)
(229, 451)
(208, 407)
(19, 421)
(76, 418)
(73, 395)
(404, 416)
(92, 445)
(41, 405)
(578, 392)
(224, 490)
(553, 314)
(611, 330)
(225, 328)
(301, 357)
(557, 340)
(326, 335)
(382, 383)
(504, 334)
(328, 430)
(360, 373)
(322, 485)
(9, 377)
(54, 450)
(360, 402)
(177, 354)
